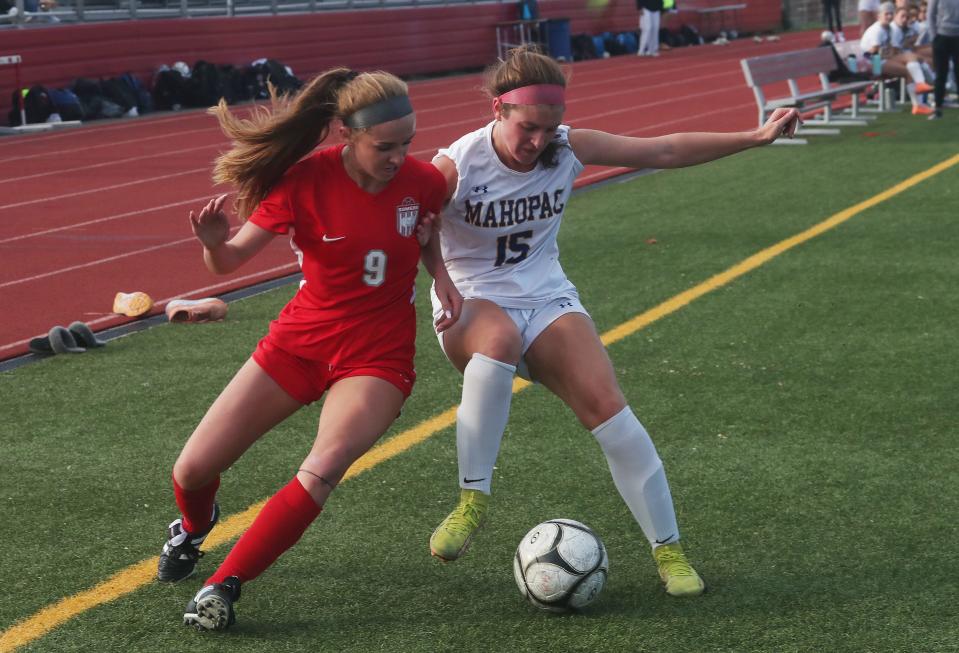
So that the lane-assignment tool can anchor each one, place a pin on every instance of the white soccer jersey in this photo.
(898, 35)
(499, 229)
(877, 34)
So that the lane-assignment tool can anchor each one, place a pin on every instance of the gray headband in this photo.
(382, 111)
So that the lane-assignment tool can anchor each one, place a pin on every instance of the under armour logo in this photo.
(480, 189)
(566, 305)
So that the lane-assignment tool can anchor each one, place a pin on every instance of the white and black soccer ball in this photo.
(561, 565)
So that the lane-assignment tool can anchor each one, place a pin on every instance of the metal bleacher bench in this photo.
(713, 19)
(514, 33)
(793, 66)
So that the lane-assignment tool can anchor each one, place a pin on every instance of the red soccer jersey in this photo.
(360, 256)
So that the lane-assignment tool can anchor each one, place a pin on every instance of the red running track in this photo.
(103, 208)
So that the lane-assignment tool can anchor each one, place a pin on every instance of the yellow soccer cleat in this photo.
(132, 304)
(453, 536)
(677, 574)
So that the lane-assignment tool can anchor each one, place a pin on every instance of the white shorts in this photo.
(869, 5)
(531, 322)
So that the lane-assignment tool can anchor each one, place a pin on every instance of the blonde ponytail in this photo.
(271, 140)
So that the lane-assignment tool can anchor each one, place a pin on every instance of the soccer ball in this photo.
(560, 565)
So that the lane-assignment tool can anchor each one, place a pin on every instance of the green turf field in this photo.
(806, 414)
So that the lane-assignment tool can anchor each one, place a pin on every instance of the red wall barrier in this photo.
(405, 41)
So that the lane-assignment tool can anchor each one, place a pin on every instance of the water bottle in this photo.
(526, 12)
(852, 64)
(876, 65)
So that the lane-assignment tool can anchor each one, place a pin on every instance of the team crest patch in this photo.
(406, 214)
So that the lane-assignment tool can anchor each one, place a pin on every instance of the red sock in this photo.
(196, 506)
(281, 522)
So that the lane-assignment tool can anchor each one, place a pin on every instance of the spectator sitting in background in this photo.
(921, 25)
(842, 73)
(904, 38)
(904, 35)
(902, 30)
(895, 63)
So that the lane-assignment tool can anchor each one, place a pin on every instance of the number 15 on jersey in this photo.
(512, 243)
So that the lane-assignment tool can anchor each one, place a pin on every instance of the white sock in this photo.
(639, 475)
(915, 71)
(928, 72)
(481, 419)
(911, 90)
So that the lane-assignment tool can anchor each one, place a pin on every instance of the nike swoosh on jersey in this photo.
(327, 239)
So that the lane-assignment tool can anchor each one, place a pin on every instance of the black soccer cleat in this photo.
(212, 607)
(182, 550)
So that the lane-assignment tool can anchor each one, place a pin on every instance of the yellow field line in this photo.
(135, 576)
(675, 303)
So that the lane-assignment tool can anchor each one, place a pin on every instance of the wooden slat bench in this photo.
(790, 67)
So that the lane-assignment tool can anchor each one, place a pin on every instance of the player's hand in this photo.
(451, 300)
(211, 226)
(782, 122)
(428, 223)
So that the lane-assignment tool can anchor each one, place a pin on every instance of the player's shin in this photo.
(639, 476)
(480, 422)
(481, 419)
(641, 480)
(278, 526)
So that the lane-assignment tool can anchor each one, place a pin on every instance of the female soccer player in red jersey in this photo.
(509, 184)
(353, 210)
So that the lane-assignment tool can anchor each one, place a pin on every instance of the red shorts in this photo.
(306, 380)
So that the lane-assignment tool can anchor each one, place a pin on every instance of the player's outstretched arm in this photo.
(221, 253)
(676, 150)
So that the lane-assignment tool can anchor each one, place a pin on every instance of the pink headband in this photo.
(535, 94)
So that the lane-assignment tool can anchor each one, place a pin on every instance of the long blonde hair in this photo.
(272, 139)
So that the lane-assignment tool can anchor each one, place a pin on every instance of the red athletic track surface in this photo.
(103, 208)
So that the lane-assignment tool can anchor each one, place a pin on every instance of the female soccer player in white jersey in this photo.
(509, 184)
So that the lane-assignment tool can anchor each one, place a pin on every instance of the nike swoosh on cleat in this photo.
(327, 239)
(473, 480)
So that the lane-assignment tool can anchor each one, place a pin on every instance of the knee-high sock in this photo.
(281, 522)
(196, 506)
(915, 71)
(481, 419)
(639, 476)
